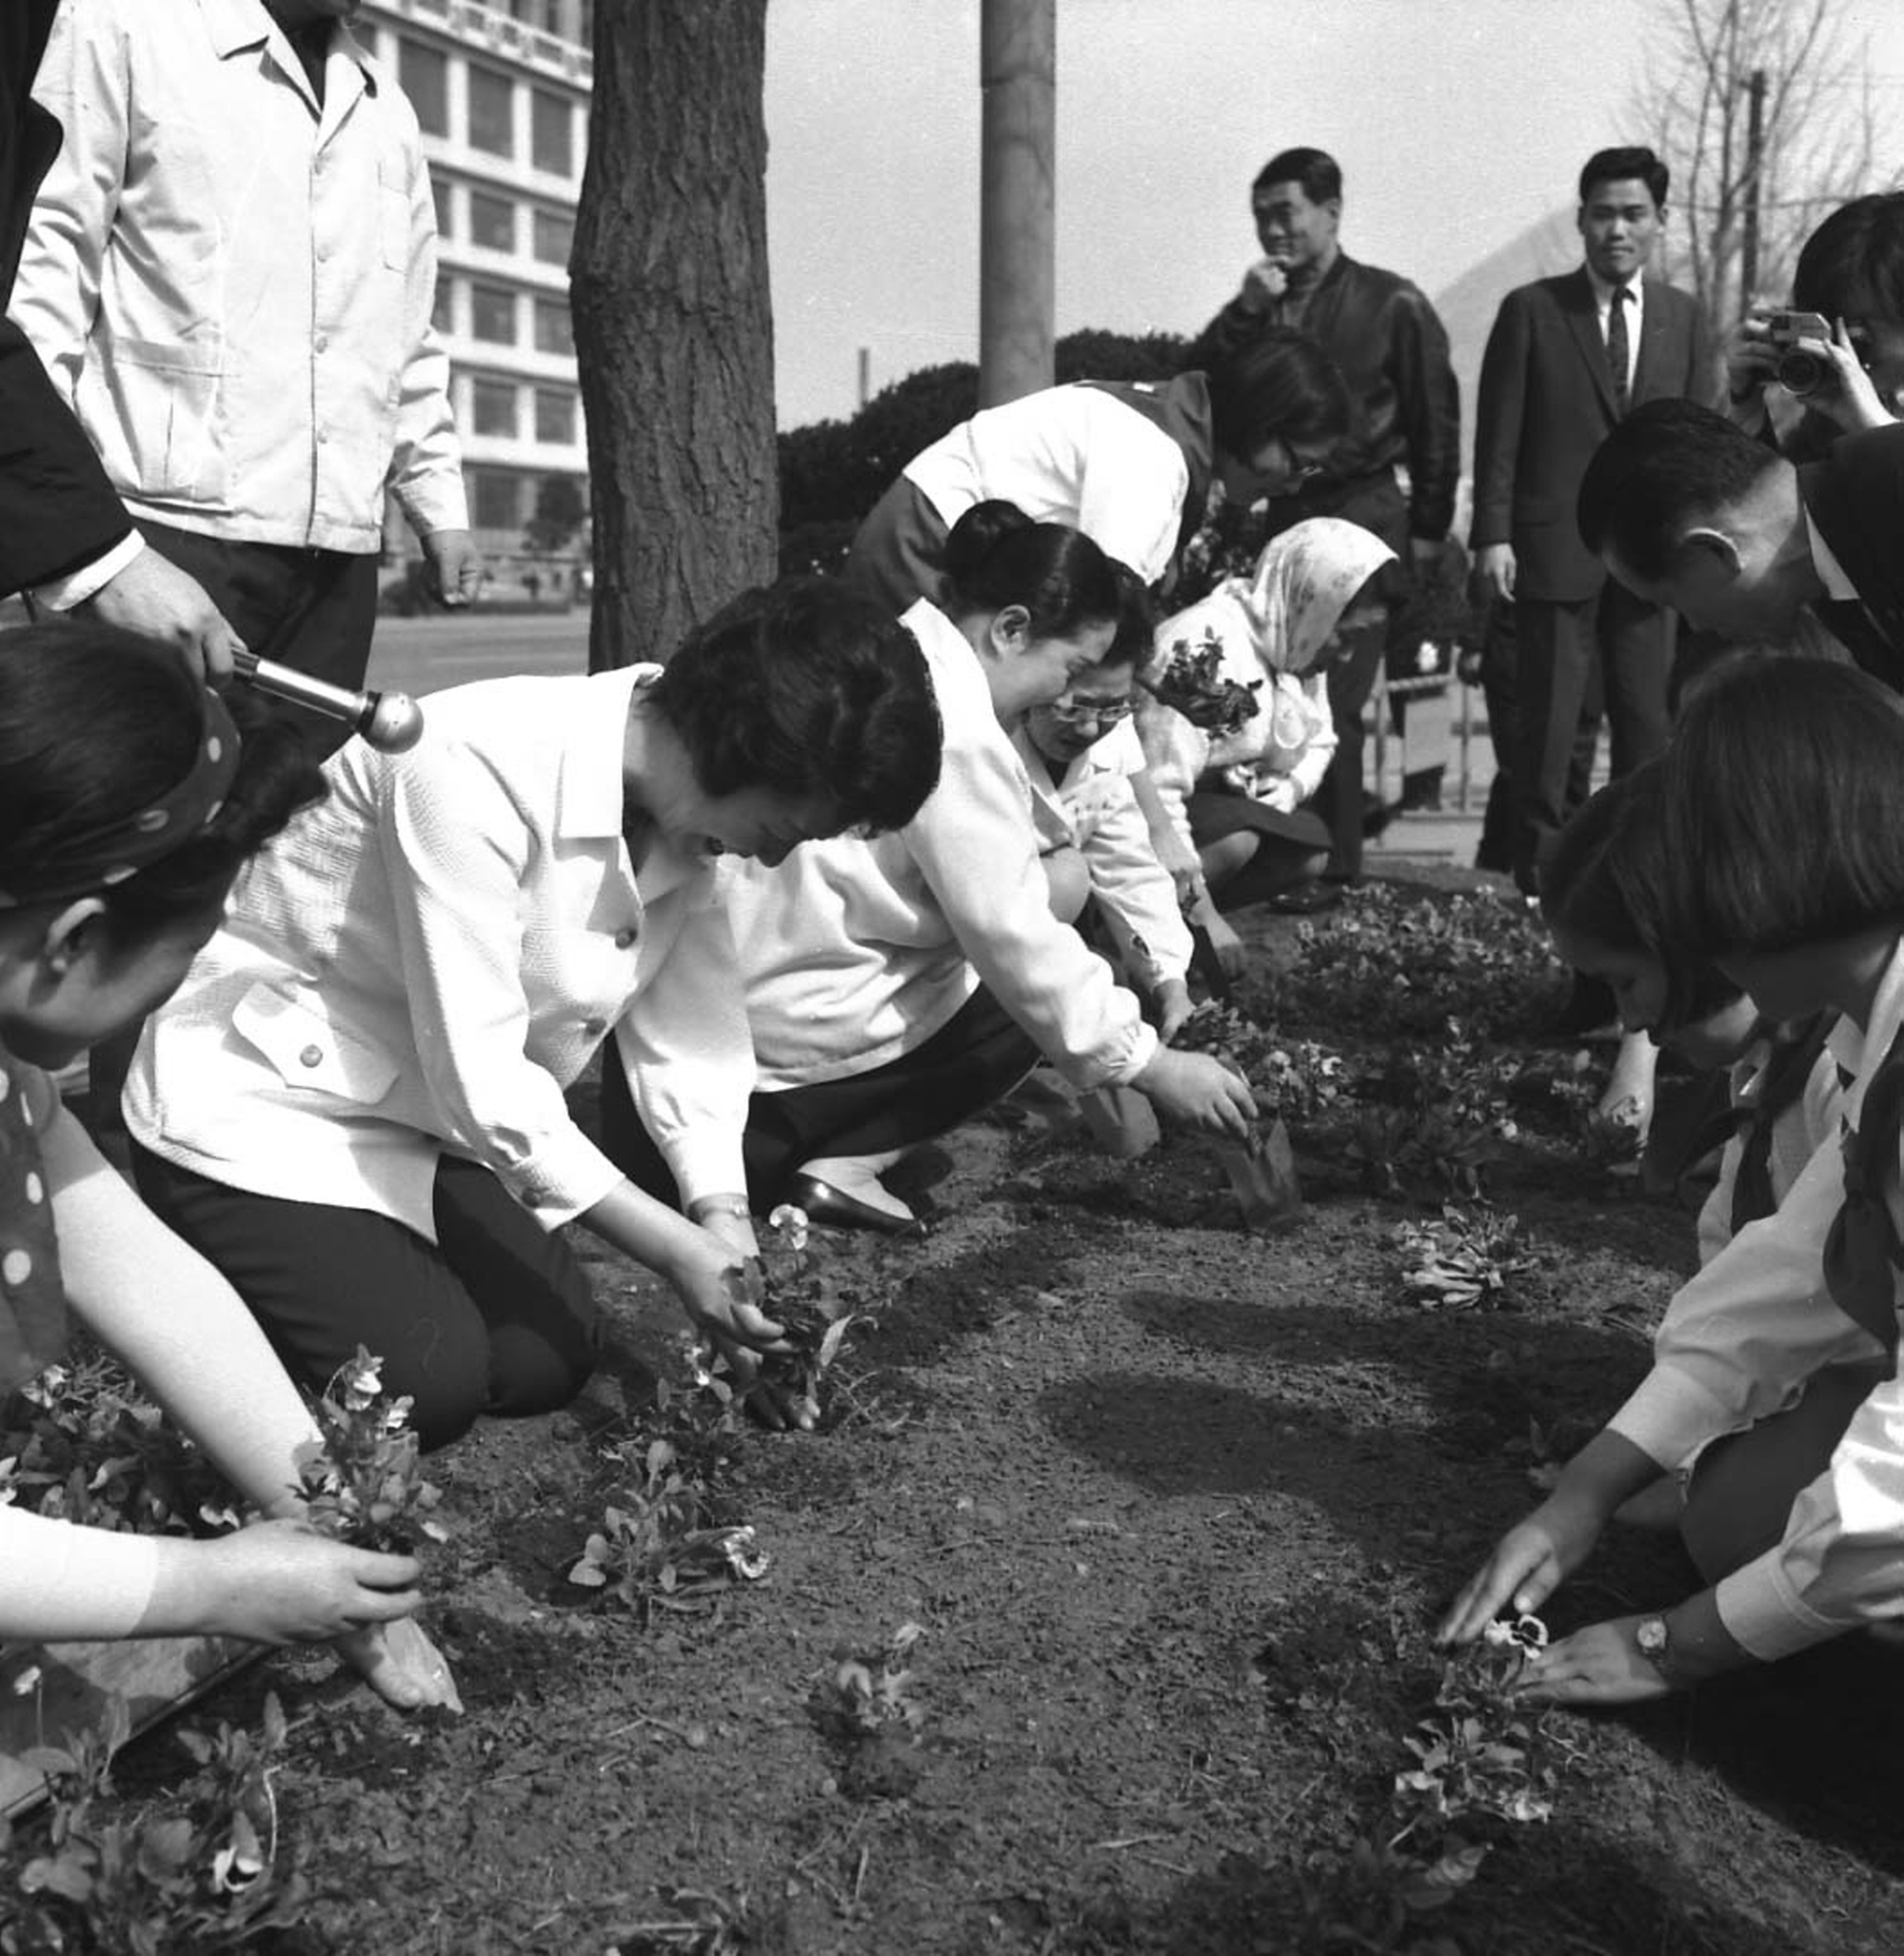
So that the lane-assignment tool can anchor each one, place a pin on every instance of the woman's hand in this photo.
(1851, 400)
(1181, 863)
(1601, 1665)
(1232, 956)
(727, 1217)
(277, 1582)
(1751, 366)
(1172, 1008)
(398, 1661)
(722, 1296)
(1198, 1091)
(1528, 1564)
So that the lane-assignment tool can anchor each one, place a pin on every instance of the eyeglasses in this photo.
(1096, 712)
(1301, 470)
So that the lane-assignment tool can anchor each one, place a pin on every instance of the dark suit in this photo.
(57, 510)
(1854, 497)
(1545, 403)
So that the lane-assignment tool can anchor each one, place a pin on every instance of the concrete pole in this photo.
(1017, 204)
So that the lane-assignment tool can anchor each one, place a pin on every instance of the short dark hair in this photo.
(808, 688)
(995, 555)
(1277, 381)
(1783, 798)
(1617, 165)
(1608, 879)
(1667, 465)
(1314, 173)
(1855, 258)
(97, 723)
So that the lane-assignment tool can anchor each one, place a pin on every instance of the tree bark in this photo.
(673, 320)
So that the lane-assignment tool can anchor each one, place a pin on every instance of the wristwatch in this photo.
(1655, 1642)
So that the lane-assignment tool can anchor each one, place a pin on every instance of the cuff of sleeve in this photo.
(704, 1164)
(1667, 1416)
(1143, 1050)
(1759, 1607)
(563, 1181)
(437, 502)
(62, 594)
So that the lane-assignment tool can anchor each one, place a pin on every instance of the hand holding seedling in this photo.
(277, 1582)
(723, 1298)
(1198, 1091)
(1528, 1564)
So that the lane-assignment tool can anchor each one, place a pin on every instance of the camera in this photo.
(1798, 372)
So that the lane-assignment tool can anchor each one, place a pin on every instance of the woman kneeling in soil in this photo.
(355, 1107)
(1775, 1391)
(128, 803)
(895, 987)
(1240, 733)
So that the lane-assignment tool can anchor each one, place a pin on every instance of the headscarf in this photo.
(1304, 581)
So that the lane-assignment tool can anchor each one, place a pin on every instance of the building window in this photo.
(495, 498)
(553, 333)
(492, 407)
(492, 314)
(442, 308)
(552, 132)
(492, 111)
(555, 416)
(492, 222)
(554, 234)
(446, 224)
(424, 75)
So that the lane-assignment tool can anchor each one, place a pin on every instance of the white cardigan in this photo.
(1094, 809)
(425, 960)
(857, 952)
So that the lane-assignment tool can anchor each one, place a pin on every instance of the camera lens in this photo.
(1800, 372)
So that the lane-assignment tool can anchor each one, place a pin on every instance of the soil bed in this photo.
(1170, 1508)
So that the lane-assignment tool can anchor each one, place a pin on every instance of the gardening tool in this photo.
(392, 721)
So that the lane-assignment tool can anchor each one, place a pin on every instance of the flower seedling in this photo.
(869, 1714)
(1192, 683)
(362, 1482)
(1261, 1171)
(655, 1548)
(199, 1875)
(1463, 1262)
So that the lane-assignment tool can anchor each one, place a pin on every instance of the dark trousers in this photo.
(312, 609)
(496, 1317)
(1610, 652)
(976, 1058)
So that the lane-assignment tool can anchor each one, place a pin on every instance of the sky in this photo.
(1457, 125)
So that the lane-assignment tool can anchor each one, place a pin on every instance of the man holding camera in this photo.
(1567, 358)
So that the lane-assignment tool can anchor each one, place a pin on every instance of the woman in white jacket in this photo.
(895, 987)
(1238, 731)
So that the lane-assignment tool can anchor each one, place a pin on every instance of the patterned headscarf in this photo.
(96, 859)
(1304, 581)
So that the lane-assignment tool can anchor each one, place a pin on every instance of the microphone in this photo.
(392, 721)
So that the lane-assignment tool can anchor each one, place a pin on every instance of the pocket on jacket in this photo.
(393, 200)
(310, 1054)
(165, 411)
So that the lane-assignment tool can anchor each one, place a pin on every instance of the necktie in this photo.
(1618, 349)
(1861, 1252)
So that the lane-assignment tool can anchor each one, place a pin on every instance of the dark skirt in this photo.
(1214, 814)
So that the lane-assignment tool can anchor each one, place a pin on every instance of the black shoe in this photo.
(1305, 900)
(835, 1209)
(1422, 791)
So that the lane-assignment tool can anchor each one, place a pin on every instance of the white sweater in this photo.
(857, 952)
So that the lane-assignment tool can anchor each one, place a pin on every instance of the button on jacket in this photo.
(232, 284)
(424, 962)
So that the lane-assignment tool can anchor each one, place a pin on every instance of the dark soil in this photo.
(1172, 1507)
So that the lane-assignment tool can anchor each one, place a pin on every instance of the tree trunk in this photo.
(673, 320)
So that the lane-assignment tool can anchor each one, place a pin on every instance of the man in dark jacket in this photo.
(63, 535)
(1384, 334)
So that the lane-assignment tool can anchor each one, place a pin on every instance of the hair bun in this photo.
(979, 532)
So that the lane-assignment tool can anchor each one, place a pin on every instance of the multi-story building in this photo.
(502, 92)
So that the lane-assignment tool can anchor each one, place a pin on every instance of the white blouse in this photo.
(426, 960)
(1094, 809)
(1740, 1341)
(857, 952)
